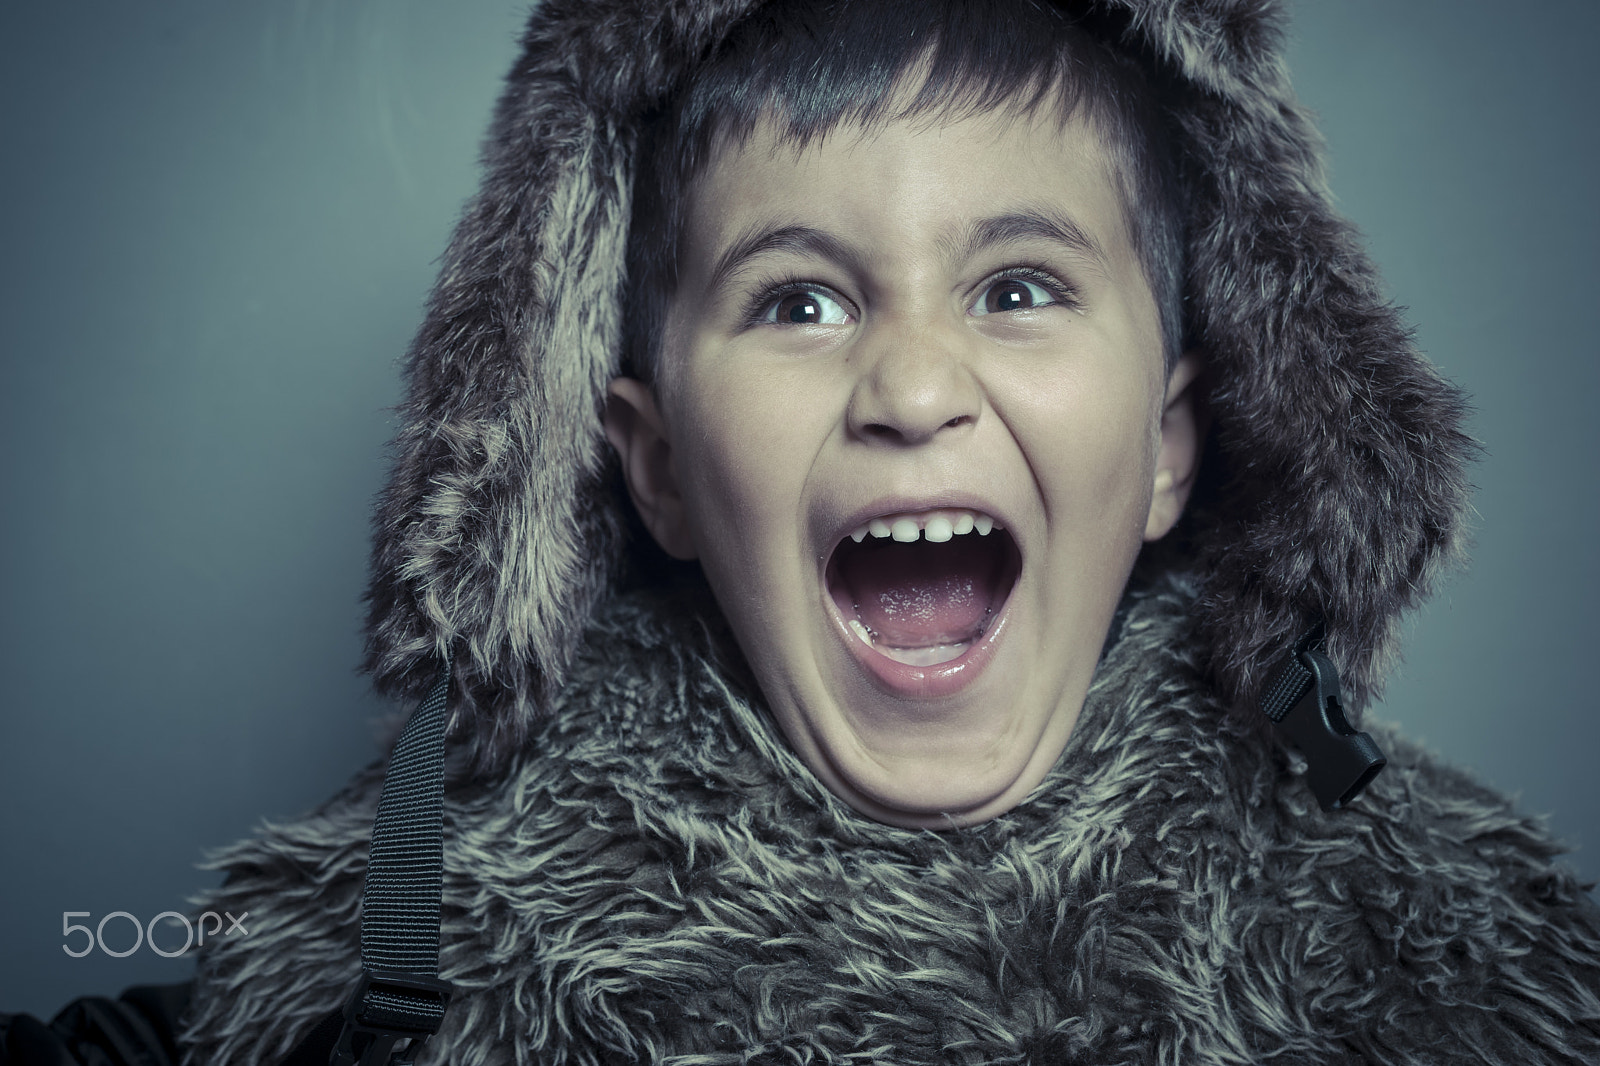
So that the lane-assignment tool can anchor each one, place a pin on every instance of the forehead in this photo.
(924, 187)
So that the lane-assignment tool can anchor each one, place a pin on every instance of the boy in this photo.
(918, 303)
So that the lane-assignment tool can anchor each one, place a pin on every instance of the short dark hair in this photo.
(813, 64)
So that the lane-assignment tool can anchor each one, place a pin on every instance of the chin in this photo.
(933, 800)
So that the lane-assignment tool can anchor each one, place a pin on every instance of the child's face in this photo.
(921, 329)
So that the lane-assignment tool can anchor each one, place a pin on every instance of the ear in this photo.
(1179, 459)
(635, 428)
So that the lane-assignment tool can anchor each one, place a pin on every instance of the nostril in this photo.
(886, 431)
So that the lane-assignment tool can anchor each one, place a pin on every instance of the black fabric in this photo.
(1292, 678)
(400, 903)
(137, 1029)
(317, 1048)
(386, 1010)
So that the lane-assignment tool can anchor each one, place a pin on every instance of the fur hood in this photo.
(660, 880)
(1334, 482)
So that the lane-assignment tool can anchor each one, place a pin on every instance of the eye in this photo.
(1013, 294)
(805, 307)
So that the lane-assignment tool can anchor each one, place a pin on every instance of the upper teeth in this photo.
(936, 526)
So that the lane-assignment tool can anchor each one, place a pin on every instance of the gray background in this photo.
(219, 227)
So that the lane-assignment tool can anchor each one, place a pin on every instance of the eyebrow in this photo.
(759, 240)
(1031, 224)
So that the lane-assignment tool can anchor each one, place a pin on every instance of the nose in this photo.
(914, 385)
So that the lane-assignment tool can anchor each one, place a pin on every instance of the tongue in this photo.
(920, 594)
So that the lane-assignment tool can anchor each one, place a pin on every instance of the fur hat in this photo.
(1334, 483)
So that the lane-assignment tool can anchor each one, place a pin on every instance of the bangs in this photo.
(810, 66)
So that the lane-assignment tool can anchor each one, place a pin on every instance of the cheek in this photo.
(1090, 436)
(719, 471)
(738, 451)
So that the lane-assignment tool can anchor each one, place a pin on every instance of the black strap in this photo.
(1292, 677)
(400, 905)
(1302, 700)
(399, 1001)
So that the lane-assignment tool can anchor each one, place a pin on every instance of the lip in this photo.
(902, 679)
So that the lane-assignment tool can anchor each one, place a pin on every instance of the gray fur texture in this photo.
(1335, 484)
(659, 880)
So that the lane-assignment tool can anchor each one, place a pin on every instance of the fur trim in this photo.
(1336, 465)
(660, 880)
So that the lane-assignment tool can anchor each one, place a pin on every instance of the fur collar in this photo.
(658, 879)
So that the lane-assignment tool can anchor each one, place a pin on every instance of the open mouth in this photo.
(922, 589)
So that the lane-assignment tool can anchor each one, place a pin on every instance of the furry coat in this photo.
(659, 880)
(637, 868)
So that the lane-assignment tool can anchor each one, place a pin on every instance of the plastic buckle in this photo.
(371, 1031)
(1340, 761)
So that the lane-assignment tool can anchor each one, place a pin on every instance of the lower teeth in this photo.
(931, 655)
